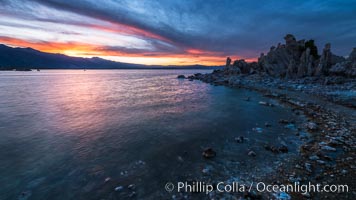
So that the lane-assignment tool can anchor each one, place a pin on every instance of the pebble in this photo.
(313, 157)
(267, 124)
(209, 153)
(239, 139)
(312, 126)
(328, 148)
(251, 153)
(118, 188)
(308, 167)
(258, 129)
(131, 186)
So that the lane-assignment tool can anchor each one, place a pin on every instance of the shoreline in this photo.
(327, 157)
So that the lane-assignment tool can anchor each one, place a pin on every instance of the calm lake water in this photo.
(64, 132)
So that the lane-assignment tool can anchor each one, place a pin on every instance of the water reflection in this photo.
(64, 132)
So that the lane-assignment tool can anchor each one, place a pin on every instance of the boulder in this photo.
(345, 68)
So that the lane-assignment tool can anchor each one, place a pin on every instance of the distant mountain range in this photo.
(28, 58)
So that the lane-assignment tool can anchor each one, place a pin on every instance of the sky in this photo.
(174, 32)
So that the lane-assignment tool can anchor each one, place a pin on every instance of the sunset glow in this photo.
(166, 32)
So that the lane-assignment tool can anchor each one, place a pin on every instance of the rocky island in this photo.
(322, 87)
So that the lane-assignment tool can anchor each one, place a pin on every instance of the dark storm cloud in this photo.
(242, 27)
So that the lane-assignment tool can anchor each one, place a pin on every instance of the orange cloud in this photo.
(191, 56)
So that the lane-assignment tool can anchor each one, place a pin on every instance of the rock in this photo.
(283, 121)
(119, 188)
(131, 186)
(308, 167)
(258, 130)
(324, 62)
(181, 76)
(242, 65)
(25, 195)
(344, 172)
(312, 126)
(207, 169)
(123, 173)
(320, 162)
(239, 139)
(290, 126)
(265, 103)
(228, 62)
(282, 196)
(132, 194)
(180, 159)
(140, 162)
(251, 153)
(283, 149)
(267, 124)
(345, 68)
(314, 157)
(328, 148)
(209, 153)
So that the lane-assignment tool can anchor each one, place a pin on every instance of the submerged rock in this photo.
(239, 139)
(119, 188)
(251, 153)
(181, 76)
(209, 153)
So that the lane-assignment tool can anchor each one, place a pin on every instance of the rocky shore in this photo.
(321, 87)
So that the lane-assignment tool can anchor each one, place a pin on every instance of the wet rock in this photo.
(140, 162)
(131, 186)
(209, 153)
(207, 169)
(344, 172)
(132, 194)
(308, 167)
(239, 139)
(283, 149)
(181, 76)
(274, 149)
(124, 173)
(25, 195)
(267, 124)
(320, 162)
(313, 157)
(119, 188)
(180, 159)
(283, 121)
(251, 153)
(290, 126)
(282, 196)
(258, 130)
(328, 148)
(312, 126)
(265, 103)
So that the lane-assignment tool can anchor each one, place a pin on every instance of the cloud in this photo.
(241, 28)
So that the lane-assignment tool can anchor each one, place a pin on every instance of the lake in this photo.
(74, 134)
